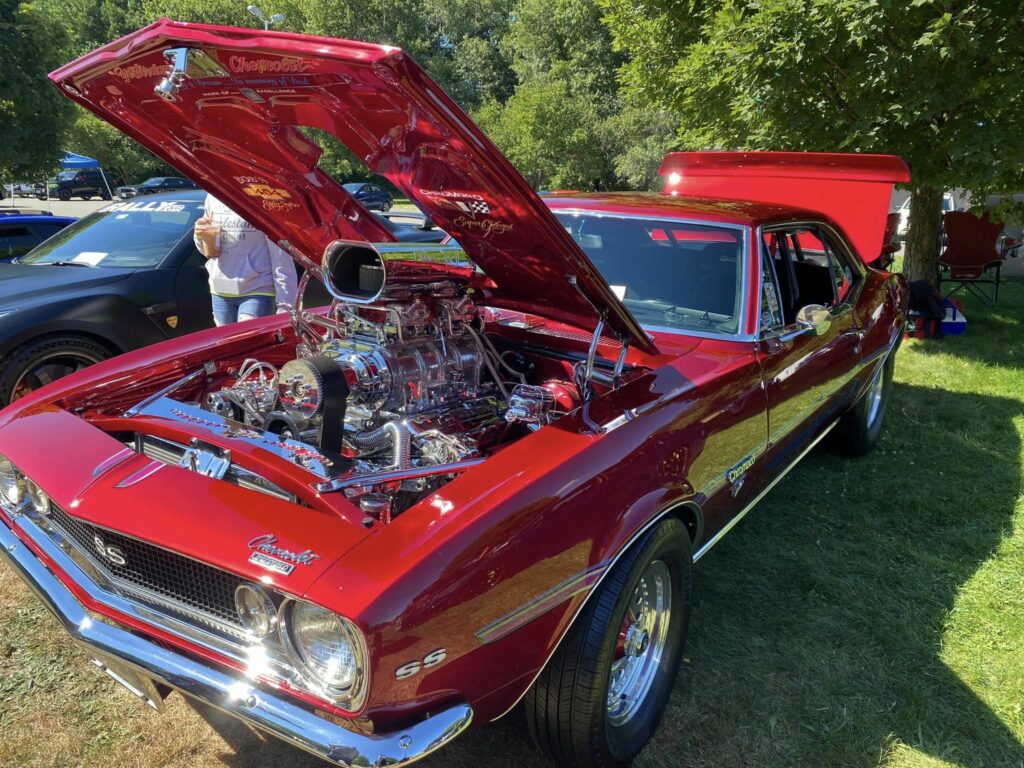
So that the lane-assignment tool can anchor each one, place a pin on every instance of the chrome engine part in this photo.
(396, 379)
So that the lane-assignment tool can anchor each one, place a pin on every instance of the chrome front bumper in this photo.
(231, 693)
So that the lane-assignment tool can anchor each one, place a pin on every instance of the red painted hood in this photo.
(234, 127)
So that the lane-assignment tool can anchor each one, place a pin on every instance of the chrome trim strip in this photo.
(111, 461)
(541, 604)
(231, 693)
(732, 523)
(141, 474)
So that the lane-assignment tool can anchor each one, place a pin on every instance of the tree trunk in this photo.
(921, 251)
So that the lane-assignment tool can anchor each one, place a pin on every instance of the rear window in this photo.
(124, 235)
(671, 275)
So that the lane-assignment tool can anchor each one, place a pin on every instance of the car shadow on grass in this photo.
(822, 625)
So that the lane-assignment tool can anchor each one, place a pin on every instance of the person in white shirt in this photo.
(250, 276)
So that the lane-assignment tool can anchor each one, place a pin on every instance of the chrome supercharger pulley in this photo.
(312, 389)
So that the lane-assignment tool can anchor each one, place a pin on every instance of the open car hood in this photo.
(232, 119)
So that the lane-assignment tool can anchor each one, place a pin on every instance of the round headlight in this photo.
(327, 648)
(37, 496)
(255, 610)
(12, 482)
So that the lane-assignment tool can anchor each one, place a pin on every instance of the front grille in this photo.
(155, 575)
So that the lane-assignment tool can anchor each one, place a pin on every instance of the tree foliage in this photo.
(32, 113)
(935, 81)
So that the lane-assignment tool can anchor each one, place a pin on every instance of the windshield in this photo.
(671, 275)
(352, 188)
(125, 235)
(66, 175)
(152, 182)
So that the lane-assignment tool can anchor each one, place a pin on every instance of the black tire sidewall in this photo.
(670, 543)
(28, 355)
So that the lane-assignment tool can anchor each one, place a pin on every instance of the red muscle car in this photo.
(482, 476)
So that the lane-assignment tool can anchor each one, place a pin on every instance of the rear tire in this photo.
(859, 430)
(385, 207)
(628, 640)
(43, 360)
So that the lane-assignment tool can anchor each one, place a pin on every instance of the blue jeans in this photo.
(234, 309)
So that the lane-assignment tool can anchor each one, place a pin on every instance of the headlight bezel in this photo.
(18, 480)
(350, 698)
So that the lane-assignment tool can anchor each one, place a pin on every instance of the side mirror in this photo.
(814, 318)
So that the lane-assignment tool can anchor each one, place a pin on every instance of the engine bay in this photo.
(392, 392)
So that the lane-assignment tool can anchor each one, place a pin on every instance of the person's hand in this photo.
(208, 235)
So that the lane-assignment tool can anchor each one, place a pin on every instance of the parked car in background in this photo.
(86, 184)
(155, 185)
(484, 476)
(948, 204)
(18, 189)
(373, 197)
(21, 231)
(412, 227)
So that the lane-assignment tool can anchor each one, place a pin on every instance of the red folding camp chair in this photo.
(975, 251)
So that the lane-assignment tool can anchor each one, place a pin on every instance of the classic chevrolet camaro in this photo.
(481, 477)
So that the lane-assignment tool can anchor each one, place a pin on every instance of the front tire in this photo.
(64, 195)
(602, 694)
(44, 360)
(859, 430)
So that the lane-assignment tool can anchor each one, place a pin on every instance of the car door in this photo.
(192, 290)
(808, 369)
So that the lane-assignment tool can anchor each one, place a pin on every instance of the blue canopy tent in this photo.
(73, 161)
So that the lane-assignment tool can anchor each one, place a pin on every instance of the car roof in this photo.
(181, 196)
(655, 204)
(34, 218)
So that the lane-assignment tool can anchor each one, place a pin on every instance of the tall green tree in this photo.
(31, 110)
(935, 81)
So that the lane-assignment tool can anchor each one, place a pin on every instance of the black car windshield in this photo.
(125, 235)
(672, 275)
(152, 183)
(67, 175)
(353, 187)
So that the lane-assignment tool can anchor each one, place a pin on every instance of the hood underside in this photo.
(236, 119)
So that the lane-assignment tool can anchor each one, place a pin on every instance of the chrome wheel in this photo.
(641, 644)
(875, 393)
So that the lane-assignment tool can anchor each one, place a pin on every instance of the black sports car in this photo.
(123, 277)
(155, 186)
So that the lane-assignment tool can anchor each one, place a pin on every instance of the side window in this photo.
(843, 274)
(16, 241)
(771, 306)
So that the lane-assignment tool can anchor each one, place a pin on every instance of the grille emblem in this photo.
(110, 554)
(267, 554)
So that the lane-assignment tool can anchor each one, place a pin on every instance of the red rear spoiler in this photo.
(852, 190)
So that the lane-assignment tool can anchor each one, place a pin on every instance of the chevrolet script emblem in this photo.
(267, 554)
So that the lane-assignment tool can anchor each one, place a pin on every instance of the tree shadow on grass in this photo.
(821, 622)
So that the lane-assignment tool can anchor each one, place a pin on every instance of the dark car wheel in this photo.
(39, 362)
(859, 429)
(601, 695)
(385, 207)
(64, 194)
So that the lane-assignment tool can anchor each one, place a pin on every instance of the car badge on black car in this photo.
(267, 554)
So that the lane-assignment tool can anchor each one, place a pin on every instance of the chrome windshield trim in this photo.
(234, 693)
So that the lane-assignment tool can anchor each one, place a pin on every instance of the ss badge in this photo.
(110, 554)
(432, 659)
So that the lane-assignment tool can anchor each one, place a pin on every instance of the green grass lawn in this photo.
(867, 613)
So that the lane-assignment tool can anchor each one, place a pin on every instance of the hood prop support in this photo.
(584, 374)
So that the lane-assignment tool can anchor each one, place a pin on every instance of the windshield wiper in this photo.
(66, 264)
